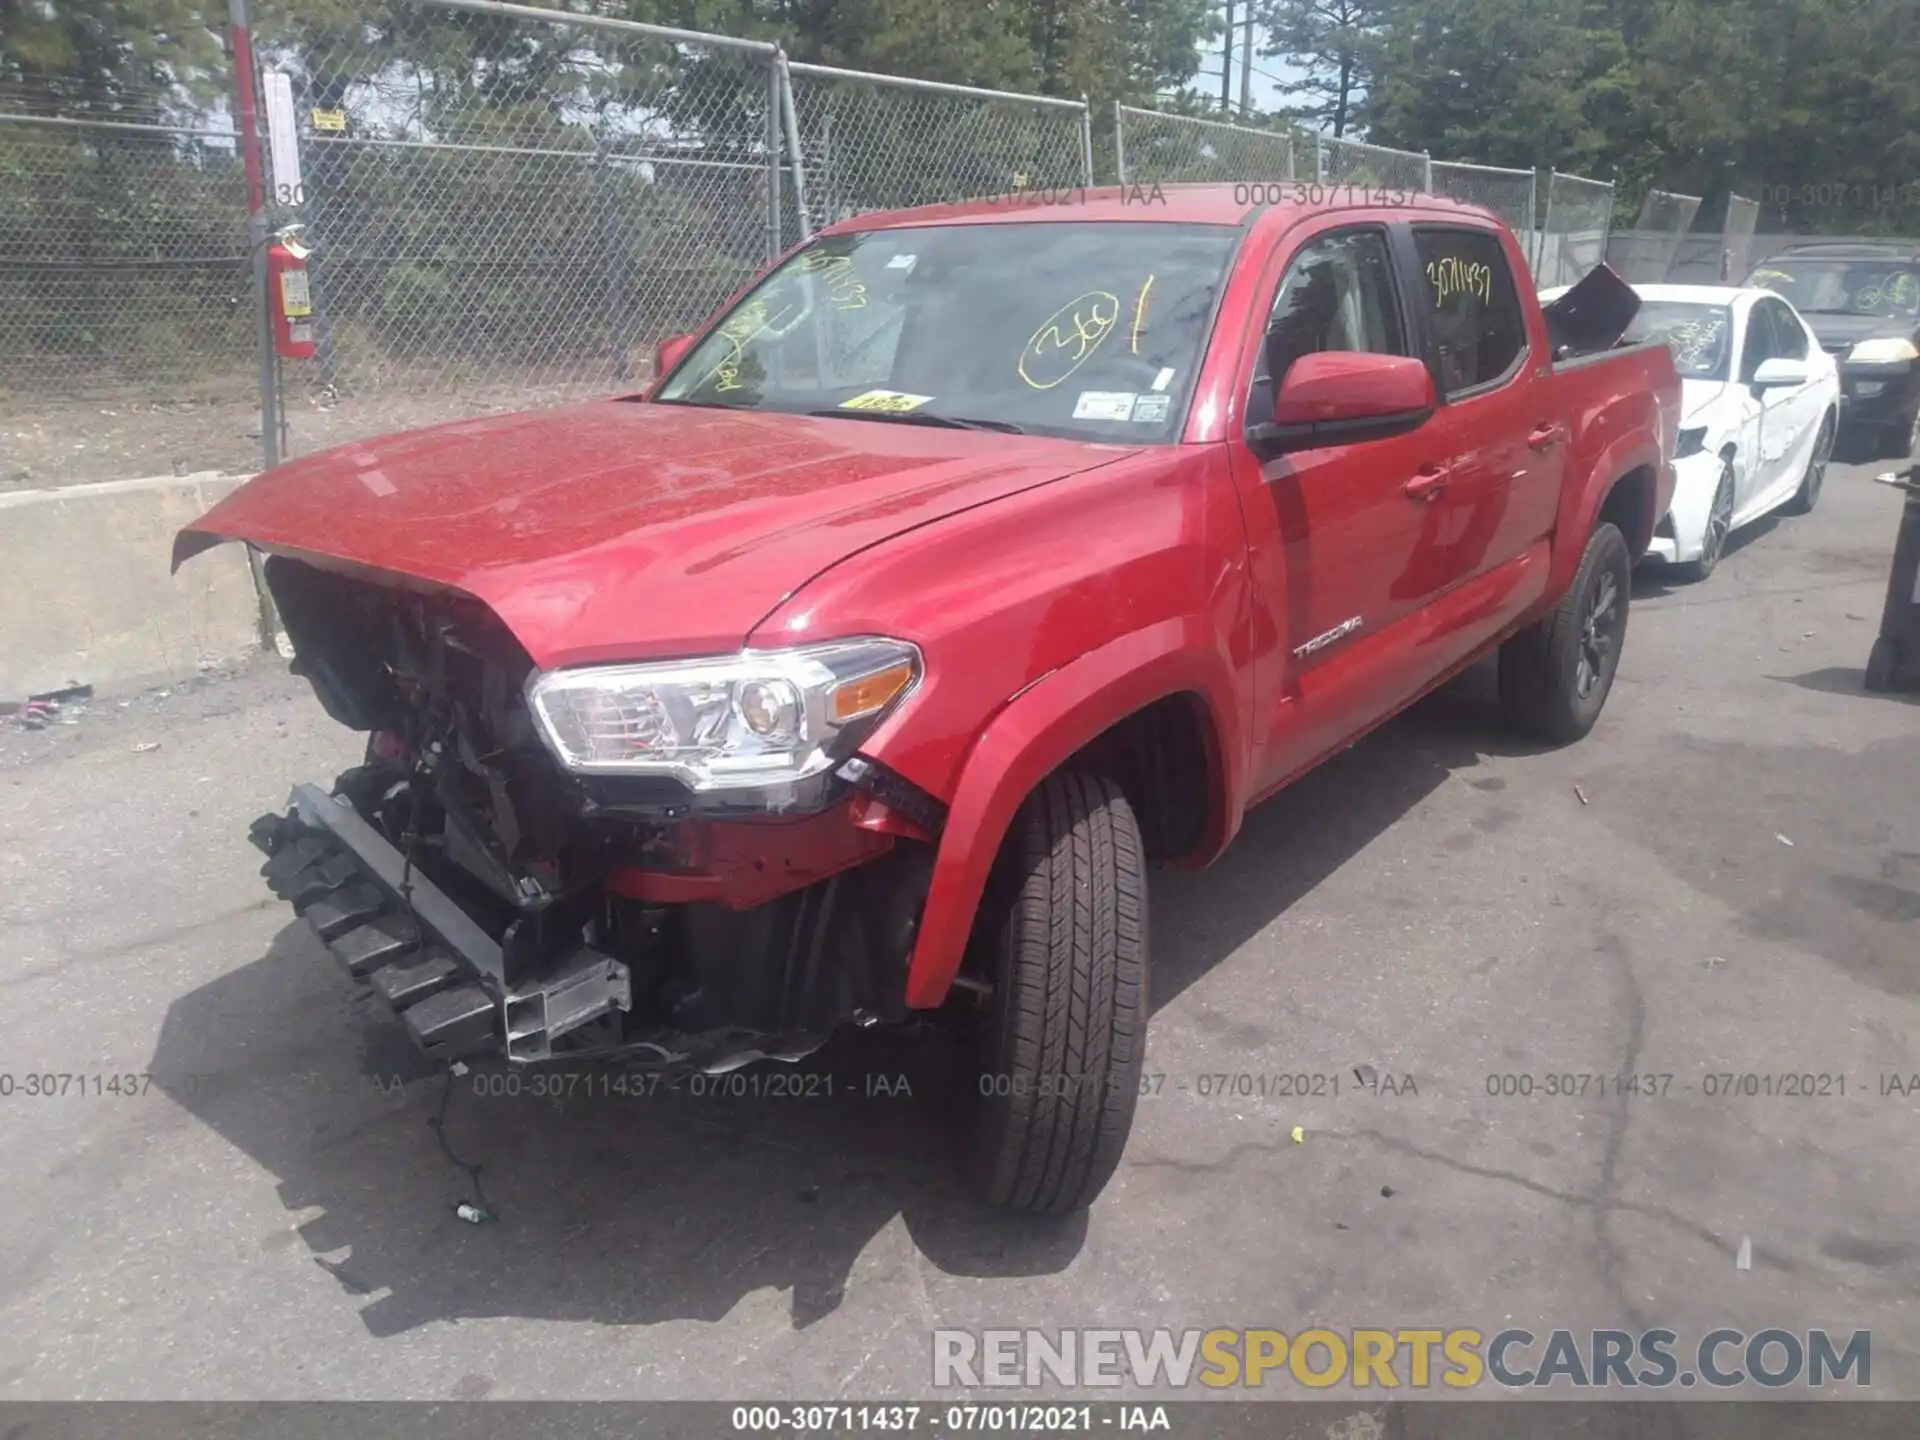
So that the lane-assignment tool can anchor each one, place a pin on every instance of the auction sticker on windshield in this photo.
(893, 402)
(1104, 405)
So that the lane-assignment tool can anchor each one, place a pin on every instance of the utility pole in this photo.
(1226, 64)
(1246, 64)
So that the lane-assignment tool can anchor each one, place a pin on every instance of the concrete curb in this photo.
(88, 595)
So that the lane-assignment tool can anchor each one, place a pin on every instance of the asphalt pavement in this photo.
(1723, 881)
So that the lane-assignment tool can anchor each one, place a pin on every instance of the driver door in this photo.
(1774, 425)
(1331, 530)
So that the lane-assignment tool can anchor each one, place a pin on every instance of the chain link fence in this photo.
(124, 281)
(1510, 194)
(1353, 162)
(1573, 229)
(508, 207)
(504, 212)
(879, 142)
(1645, 254)
(1152, 148)
(1736, 238)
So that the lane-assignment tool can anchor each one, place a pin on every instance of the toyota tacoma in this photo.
(967, 563)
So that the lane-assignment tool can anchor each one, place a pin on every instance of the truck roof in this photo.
(1192, 204)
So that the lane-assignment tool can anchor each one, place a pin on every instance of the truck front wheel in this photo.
(1062, 940)
(1555, 674)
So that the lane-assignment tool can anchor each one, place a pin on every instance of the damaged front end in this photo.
(685, 864)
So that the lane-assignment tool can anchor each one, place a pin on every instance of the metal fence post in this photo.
(774, 247)
(1086, 142)
(244, 90)
(1119, 144)
(1319, 159)
(792, 116)
(1533, 223)
(1427, 158)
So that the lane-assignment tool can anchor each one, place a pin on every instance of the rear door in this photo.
(1504, 442)
(1332, 532)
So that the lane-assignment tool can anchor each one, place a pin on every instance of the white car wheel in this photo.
(1713, 543)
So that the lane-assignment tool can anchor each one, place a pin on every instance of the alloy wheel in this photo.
(1719, 523)
(1822, 453)
(1600, 631)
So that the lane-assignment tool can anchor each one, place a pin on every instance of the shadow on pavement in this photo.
(1842, 680)
(648, 1207)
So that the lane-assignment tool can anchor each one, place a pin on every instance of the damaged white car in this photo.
(1759, 407)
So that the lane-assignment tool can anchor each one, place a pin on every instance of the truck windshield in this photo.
(1089, 330)
(1888, 290)
(1700, 336)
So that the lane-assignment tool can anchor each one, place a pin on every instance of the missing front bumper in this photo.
(412, 944)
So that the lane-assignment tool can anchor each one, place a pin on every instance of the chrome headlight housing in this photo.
(1887, 350)
(735, 722)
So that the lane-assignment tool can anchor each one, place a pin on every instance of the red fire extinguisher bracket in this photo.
(291, 299)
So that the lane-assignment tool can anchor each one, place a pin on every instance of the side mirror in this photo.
(1343, 397)
(1780, 371)
(667, 354)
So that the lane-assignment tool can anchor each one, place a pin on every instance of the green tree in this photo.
(1331, 44)
(102, 54)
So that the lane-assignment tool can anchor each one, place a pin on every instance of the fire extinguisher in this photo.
(290, 296)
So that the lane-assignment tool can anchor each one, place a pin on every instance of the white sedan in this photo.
(1759, 405)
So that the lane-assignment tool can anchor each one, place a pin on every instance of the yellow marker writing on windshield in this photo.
(1067, 337)
(1140, 314)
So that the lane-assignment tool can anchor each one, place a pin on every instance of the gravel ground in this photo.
(1723, 879)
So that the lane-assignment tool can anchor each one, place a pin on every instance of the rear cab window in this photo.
(1471, 307)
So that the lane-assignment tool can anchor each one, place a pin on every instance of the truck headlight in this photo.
(1690, 441)
(728, 723)
(1887, 350)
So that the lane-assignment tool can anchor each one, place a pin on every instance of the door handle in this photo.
(1541, 436)
(1427, 483)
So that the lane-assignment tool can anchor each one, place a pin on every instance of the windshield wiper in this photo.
(923, 417)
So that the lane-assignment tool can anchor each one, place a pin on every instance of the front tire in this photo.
(1063, 941)
(1713, 544)
(1556, 674)
(1808, 495)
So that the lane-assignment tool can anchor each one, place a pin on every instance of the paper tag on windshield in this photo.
(1104, 405)
(894, 402)
(1152, 409)
(902, 262)
(1163, 379)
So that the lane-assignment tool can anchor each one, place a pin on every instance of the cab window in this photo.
(1473, 308)
(1337, 294)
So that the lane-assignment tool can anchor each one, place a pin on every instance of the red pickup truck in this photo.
(971, 560)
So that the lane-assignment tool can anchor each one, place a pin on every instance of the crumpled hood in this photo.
(626, 530)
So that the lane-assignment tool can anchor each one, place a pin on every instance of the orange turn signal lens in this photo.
(869, 693)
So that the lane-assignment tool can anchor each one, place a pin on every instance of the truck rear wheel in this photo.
(1063, 941)
(1555, 675)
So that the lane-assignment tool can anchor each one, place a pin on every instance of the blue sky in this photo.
(1265, 95)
